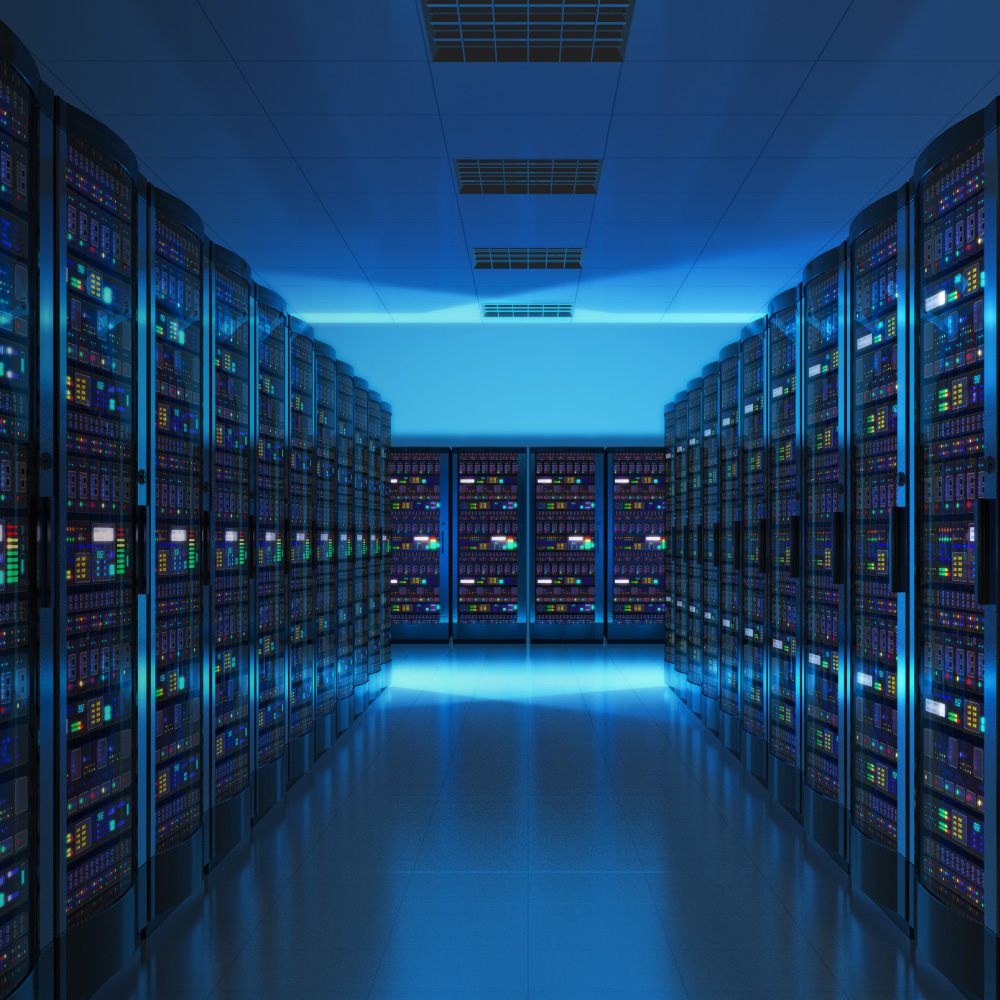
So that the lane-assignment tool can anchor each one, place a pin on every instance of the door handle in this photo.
(837, 548)
(983, 530)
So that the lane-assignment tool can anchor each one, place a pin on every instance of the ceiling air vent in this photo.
(523, 310)
(527, 258)
(527, 176)
(528, 32)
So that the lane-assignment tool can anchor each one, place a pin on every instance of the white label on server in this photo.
(815, 658)
(815, 370)
(748, 632)
(692, 609)
(748, 408)
(692, 440)
(935, 707)
(708, 615)
(708, 432)
(541, 580)
(545, 480)
(621, 480)
(621, 579)
(467, 480)
(935, 301)
(272, 536)
(102, 533)
(727, 623)
(865, 341)
(232, 536)
(467, 582)
(777, 643)
(300, 536)
(178, 534)
(778, 390)
(864, 680)
(725, 421)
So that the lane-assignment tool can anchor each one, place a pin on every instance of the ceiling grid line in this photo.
(758, 157)
(295, 160)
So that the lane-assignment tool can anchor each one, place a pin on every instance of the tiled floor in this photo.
(503, 824)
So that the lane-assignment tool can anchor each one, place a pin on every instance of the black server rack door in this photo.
(670, 563)
(361, 534)
(489, 494)
(100, 427)
(784, 695)
(638, 537)
(695, 540)
(873, 454)
(565, 540)
(374, 535)
(711, 537)
(416, 542)
(951, 485)
(753, 602)
(729, 517)
(385, 563)
(272, 524)
(345, 534)
(824, 513)
(234, 546)
(302, 513)
(680, 474)
(177, 435)
(325, 527)
(18, 470)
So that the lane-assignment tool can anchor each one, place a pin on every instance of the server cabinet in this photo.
(637, 544)
(270, 731)
(419, 485)
(345, 545)
(178, 538)
(301, 541)
(232, 568)
(694, 538)
(754, 568)
(784, 331)
(374, 541)
(567, 501)
(361, 530)
(679, 541)
(730, 547)
(26, 696)
(825, 665)
(99, 568)
(710, 546)
(325, 547)
(953, 456)
(881, 796)
(490, 602)
(670, 554)
(385, 621)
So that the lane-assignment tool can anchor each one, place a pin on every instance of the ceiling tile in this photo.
(454, 279)
(678, 174)
(649, 234)
(632, 256)
(299, 257)
(526, 234)
(533, 286)
(402, 234)
(526, 208)
(416, 256)
(689, 135)
(776, 175)
(543, 88)
(290, 207)
(303, 87)
(229, 174)
(369, 206)
(833, 207)
(281, 234)
(371, 135)
(847, 135)
(391, 174)
(208, 135)
(733, 87)
(523, 136)
(158, 88)
(617, 205)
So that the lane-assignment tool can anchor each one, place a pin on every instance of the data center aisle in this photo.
(503, 824)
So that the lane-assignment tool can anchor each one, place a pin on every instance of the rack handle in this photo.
(43, 540)
(142, 545)
(206, 552)
(700, 542)
(837, 548)
(762, 545)
(795, 547)
(896, 553)
(252, 544)
(717, 544)
(286, 555)
(983, 528)
(737, 545)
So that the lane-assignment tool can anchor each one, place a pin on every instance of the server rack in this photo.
(824, 619)
(670, 562)
(325, 547)
(879, 430)
(680, 472)
(488, 595)
(731, 548)
(345, 545)
(360, 545)
(419, 485)
(754, 583)
(567, 500)
(26, 705)
(100, 625)
(301, 541)
(270, 730)
(636, 554)
(374, 542)
(178, 540)
(228, 370)
(694, 539)
(710, 546)
(784, 444)
(385, 620)
(953, 623)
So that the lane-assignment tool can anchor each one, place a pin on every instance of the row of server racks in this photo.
(192, 522)
(831, 573)
(506, 544)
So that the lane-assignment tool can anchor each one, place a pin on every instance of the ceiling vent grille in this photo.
(523, 310)
(528, 258)
(528, 32)
(528, 176)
